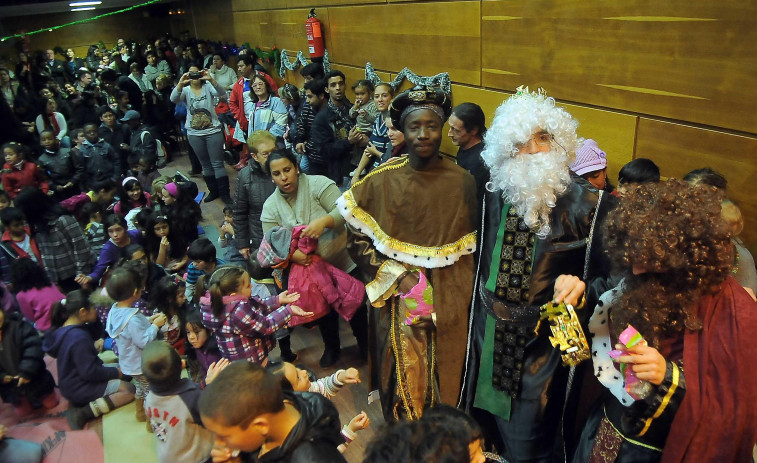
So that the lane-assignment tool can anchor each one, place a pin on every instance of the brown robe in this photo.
(399, 219)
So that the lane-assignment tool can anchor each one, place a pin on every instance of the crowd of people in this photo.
(470, 283)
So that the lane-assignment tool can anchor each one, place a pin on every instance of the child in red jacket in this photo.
(18, 173)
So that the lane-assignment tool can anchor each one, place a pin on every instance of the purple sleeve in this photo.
(108, 256)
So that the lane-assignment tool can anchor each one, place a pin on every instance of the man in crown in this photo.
(412, 231)
(538, 223)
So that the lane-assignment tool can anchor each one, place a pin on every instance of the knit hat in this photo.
(172, 189)
(589, 158)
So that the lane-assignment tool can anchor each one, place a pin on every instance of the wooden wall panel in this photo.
(284, 29)
(249, 5)
(216, 19)
(322, 3)
(678, 149)
(426, 37)
(691, 61)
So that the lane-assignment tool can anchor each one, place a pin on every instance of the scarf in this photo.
(342, 117)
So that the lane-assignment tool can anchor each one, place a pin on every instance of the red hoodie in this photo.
(15, 179)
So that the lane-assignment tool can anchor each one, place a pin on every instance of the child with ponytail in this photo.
(243, 324)
(91, 388)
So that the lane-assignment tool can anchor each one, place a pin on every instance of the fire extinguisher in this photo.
(315, 36)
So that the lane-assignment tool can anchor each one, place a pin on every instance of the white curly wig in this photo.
(531, 183)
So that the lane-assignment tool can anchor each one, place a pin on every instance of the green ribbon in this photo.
(81, 21)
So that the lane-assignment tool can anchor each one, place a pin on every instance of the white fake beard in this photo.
(532, 183)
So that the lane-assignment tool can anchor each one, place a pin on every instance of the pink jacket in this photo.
(321, 285)
(37, 305)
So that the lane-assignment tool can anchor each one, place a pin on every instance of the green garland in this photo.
(82, 21)
(273, 56)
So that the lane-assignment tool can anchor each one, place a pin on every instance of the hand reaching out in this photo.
(359, 422)
(287, 298)
(299, 312)
(568, 288)
(350, 376)
(214, 369)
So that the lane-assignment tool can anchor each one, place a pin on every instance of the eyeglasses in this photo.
(541, 139)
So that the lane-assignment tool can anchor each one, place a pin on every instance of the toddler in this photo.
(91, 388)
(19, 173)
(172, 407)
(129, 328)
(167, 297)
(243, 325)
(364, 109)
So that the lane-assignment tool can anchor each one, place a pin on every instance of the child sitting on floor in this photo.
(226, 239)
(91, 388)
(91, 215)
(129, 328)
(204, 262)
(18, 173)
(16, 241)
(24, 380)
(204, 351)
(35, 294)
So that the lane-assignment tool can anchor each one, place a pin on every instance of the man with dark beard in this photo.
(538, 224)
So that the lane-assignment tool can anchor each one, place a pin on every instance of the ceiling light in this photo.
(83, 9)
(74, 4)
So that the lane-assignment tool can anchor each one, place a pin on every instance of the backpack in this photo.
(160, 151)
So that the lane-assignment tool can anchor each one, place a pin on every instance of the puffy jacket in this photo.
(253, 187)
(14, 180)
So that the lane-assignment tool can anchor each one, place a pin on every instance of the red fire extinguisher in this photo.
(315, 36)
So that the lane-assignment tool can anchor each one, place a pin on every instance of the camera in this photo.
(195, 75)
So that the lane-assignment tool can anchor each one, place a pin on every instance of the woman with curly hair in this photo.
(687, 391)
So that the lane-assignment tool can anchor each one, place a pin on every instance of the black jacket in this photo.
(315, 437)
(253, 188)
(22, 355)
(326, 148)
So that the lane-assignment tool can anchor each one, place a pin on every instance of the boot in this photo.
(78, 416)
(286, 350)
(222, 189)
(243, 158)
(140, 404)
(329, 328)
(212, 184)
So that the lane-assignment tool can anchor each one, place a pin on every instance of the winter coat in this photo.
(14, 180)
(21, 355)
(253, 187)
(321, 285)
(82, 377)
